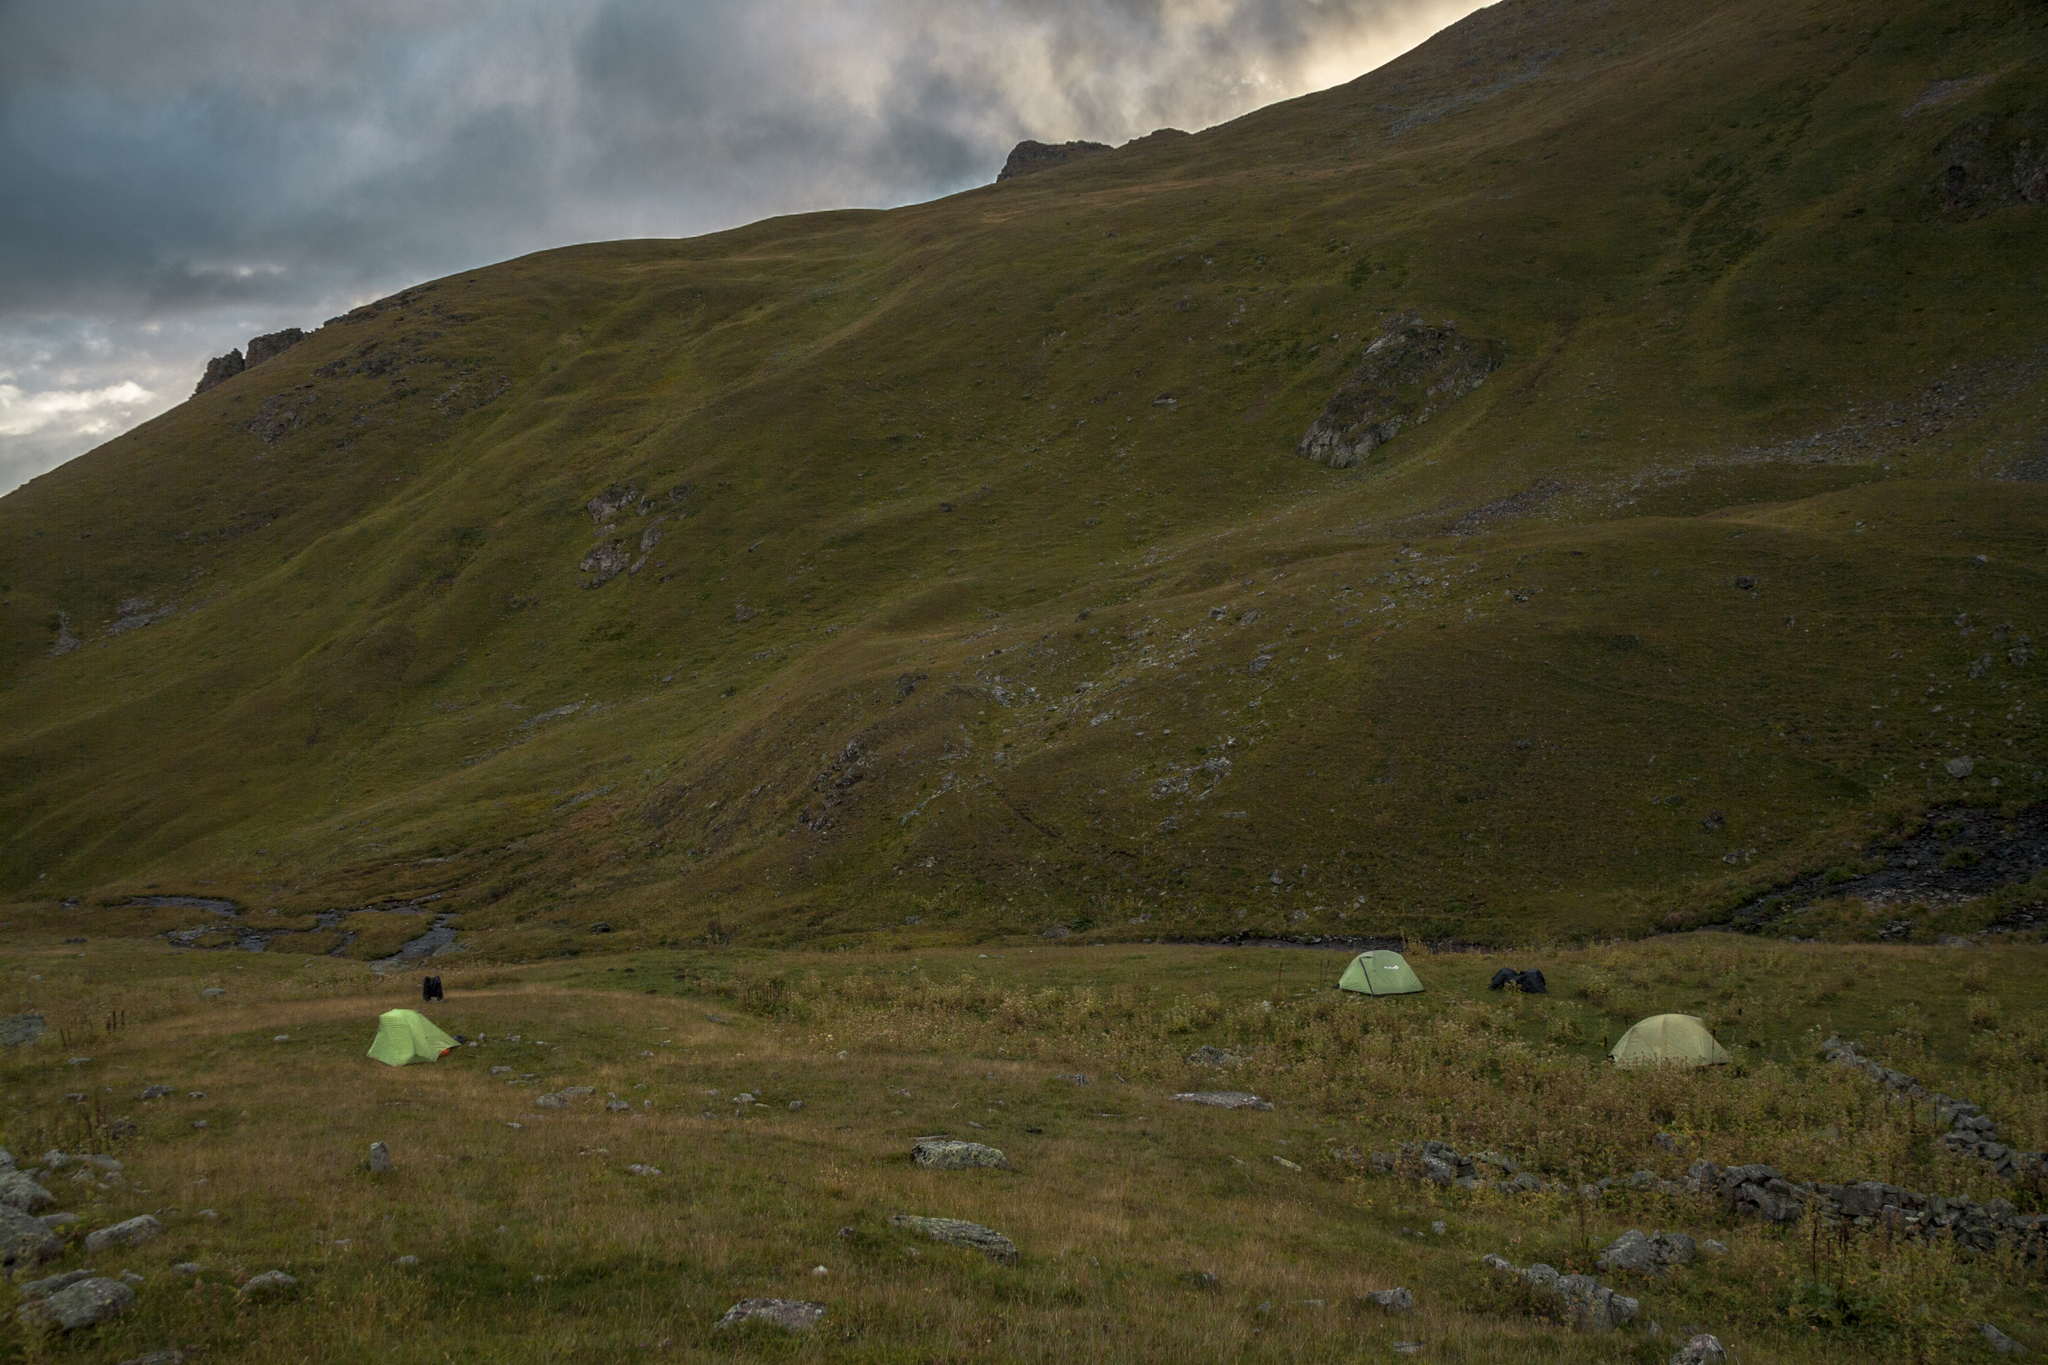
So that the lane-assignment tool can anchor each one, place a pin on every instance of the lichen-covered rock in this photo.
(1393, 1300)
(19, 1190)
(961, 1233)
(270, 344)
(1634, 1252)
(1583, 1301)
(948, 1154)
(220, 370)
(791, 1315)
(1224, 1099)
(134, 1232)
(1703, 1349)
(25, 1240)
(18, 1030)
(84, 1303)
(271, 1284)
(1409, 374)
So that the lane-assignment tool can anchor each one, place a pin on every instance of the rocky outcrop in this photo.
(791, 1315)
(26, 1240)
(1994, 161)
(220, 370)
(1410, 373)
(78, 1301)
(19, 1030)
(271, 344)
(1028, 157)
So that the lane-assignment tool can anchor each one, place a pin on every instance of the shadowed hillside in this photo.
(1573, 479)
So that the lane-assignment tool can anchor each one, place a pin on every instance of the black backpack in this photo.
(430, 988)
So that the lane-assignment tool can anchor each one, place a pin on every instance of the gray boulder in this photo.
(1206, 1055)
(380, 1158)
(961, 1233)
(947, 1154)
(1583, 1301)
(84, 1303)
(1642, 1255)
(271, 1284)
(2000, 1342)
(154, 1092)
(42, 1289)
(1224, 1099)
(19, 1190)
(1700, 1350)
(132, 1233)
(791, 1315)
(25, 1240)
(1393, 1300)
(18, 1030)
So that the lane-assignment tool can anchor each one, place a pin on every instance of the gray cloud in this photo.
(178, 178)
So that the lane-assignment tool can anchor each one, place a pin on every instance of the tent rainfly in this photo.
(1379, 972)
(1669, 1040)
(407, 1036)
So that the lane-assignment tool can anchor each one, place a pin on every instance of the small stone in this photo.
(133, 1232)
(796, 1106)
(1408, 1348)
(1393, 1300)
(187, 1268)
(1074, 1078)
(199, 1123)
(271, 1284)
(1057, 931)
(576, 1092)
(2000, 1342)
(1438, 1227)
(1202, 1279)
(60, 1220)
(819, 1270)
(1714, 1247)
(214, 992)
(1224, 1099)
(380, 1158)
(155, 1092)
(1206, 1055)
(549, 1102)
(616, 1106)
(1285, 1164)
(1700, 1350)
(637, 1169)
(408, 1260)
(82, 1304)
(501, 1071)
(958, 1232)
(129, 1277)
(791, 1315)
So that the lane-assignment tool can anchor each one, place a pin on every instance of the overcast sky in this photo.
(177, 177)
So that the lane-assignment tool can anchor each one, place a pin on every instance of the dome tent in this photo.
(1380, 972)
(407, 1036)
(1669, 1040)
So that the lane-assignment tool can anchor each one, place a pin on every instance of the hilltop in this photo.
(1573, 480)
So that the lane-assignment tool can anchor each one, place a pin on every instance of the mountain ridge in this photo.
(1741, 337)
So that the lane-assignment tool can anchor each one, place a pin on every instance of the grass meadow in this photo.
(536, 1243)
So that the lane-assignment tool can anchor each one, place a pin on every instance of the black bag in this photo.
(1530, 981)
(430, 988)
(1503, 977)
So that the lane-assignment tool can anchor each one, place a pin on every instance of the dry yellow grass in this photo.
(535, 1243)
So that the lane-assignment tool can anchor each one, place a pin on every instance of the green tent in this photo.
(1669, 1040)
(1379, 972)
(407, 1036)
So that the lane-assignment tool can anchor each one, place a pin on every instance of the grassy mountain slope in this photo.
(977, 579)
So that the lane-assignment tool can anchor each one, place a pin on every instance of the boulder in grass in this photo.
(42, 1289)
(961, 1233)
(132, 1233)
(271, 1284)
(85, 1303)
(2000, 1342)
(1393, 1300)
(1225, 1099)
(1585, 1302)
(791, 1315)
(19, 1030)
(947, 1154)
(19, 1191)
(25, 1240)
(1704, 1349)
